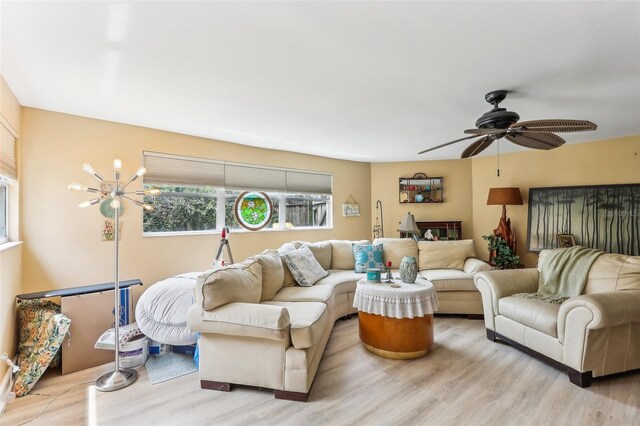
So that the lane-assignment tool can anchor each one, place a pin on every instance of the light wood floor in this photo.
(465, 380)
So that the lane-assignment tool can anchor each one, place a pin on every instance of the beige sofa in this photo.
(278, 340)
(591, 335)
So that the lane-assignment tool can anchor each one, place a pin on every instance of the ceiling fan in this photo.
(499, 123)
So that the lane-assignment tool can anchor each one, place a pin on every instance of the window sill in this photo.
(233, 231)
(9, 245)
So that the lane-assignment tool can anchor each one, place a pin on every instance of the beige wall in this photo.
(10, 258)
(602, 162)
(62, 243)
(457, 194)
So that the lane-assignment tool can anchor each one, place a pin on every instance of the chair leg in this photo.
(580, 379)
(491, 335)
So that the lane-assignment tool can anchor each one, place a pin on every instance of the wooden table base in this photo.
(396, 338)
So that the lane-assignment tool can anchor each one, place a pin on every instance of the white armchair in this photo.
(594, 334)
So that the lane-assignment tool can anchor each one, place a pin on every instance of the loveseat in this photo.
(594, 334)
(258, 328)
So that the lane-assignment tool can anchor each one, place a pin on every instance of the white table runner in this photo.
(407, 301)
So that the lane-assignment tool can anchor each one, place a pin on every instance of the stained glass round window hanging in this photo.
(253, 210)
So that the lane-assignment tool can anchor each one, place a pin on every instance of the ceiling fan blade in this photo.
(447, 144)
(478, 146)
(535, 140)
(480, 132)
(554, 126)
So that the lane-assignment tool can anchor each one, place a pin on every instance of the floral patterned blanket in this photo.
(42, 328)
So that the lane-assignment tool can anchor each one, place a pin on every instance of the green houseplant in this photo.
(501, 255)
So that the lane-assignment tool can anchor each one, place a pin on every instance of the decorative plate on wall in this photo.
(253, 210)
(107, 210)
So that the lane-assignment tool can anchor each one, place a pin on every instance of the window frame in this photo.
(4, 183)
(220, 217)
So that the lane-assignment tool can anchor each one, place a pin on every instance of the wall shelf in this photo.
(421, 189)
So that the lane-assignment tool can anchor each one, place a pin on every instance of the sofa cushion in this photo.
(449, 280)
(321, 251)
(444, 254)
(613, 272)
(342, 254)
(367, 256)
(272, 273)
(541, 316)
(304, 267)
(341, 281)
(308, 322)
(288, 277)
(242, 319)
(240, 282)
(304, 294)
(394, 249)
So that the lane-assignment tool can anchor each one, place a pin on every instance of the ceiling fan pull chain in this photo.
(498, 143)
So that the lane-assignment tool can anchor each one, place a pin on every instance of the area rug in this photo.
(169, 366)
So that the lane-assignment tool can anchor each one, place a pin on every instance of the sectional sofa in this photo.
(258, 328)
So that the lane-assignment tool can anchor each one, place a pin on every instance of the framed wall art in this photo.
(606, 217)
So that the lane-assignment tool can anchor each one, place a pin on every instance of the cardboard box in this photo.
(91, 315)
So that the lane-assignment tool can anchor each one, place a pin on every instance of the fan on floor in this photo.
(500, 123)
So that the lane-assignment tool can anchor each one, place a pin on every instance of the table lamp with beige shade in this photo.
(505, 197)
(408, 226)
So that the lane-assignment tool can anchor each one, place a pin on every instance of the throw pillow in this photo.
(272, 273)
(240, 282)
(288, 277)
(304, 267)
(321, 251)
(444, 254)
(367, 256)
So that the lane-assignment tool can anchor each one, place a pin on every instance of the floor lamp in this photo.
(120, 377)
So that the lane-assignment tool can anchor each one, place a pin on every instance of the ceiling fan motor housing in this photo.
(497, 118)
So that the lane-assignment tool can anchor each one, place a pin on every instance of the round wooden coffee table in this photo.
(396, 320)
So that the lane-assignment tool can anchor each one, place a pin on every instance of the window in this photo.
(307, 210)
(4, 211)
(181, 209)
(7, 171)
(200, 194)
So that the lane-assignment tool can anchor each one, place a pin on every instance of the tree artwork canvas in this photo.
(606, 217)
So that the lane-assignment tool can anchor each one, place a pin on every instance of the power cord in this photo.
(52, 401)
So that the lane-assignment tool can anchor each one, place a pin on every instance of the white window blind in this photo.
(238, 176)
(308, 182)
(173, 169)
(8, 166)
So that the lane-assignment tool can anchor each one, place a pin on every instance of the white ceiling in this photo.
(365, 81)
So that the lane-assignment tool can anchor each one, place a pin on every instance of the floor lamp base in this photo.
(116, 380)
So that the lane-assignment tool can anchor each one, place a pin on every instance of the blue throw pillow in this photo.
(367, 256)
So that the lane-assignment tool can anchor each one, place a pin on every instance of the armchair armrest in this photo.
(496, 284)
(608, 309)
(241, 319)
(473, 265)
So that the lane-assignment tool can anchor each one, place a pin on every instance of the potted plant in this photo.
(501, 255)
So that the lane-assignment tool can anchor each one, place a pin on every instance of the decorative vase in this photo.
(408, 269)
(419, 198)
